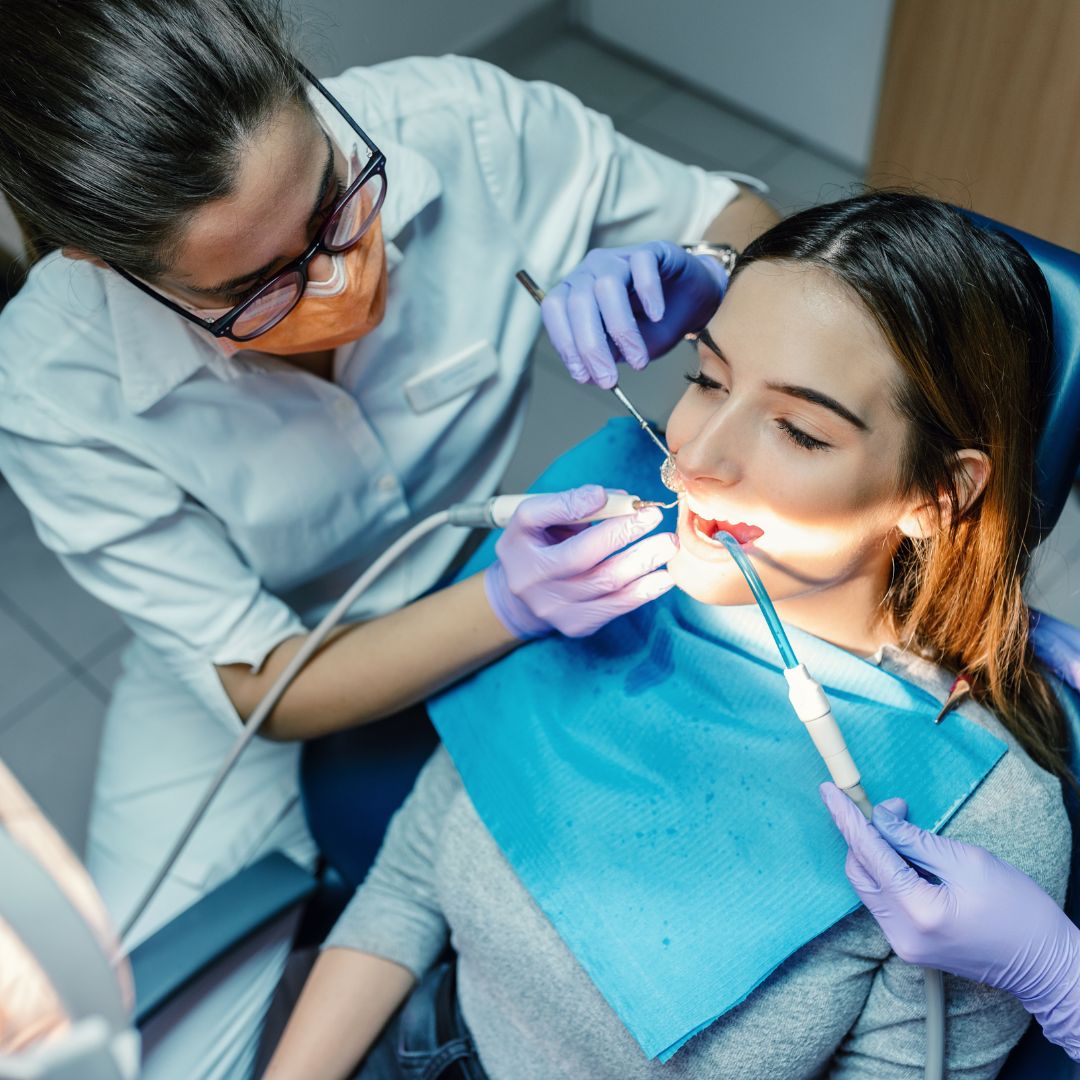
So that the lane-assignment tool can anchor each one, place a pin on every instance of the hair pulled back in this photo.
(968, 317)
(119, 118)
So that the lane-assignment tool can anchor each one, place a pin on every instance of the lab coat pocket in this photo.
(452, 377)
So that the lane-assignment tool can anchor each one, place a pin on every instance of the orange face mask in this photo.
(343, 308)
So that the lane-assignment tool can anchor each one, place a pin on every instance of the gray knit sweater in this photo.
(842, 1006)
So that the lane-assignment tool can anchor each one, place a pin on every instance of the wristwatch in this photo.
(724, 254)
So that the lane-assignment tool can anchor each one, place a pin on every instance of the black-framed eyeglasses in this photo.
(346, 222)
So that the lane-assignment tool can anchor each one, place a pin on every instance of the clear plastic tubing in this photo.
(776, 627)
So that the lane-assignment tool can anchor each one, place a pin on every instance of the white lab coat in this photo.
(221, 505)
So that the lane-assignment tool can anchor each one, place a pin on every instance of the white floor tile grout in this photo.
(33, 629)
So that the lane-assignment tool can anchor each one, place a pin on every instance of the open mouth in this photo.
(707, 529)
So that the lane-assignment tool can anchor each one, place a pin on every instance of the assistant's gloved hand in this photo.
(645, 298)
(554, 575)
(1057, 644)
(985, 921)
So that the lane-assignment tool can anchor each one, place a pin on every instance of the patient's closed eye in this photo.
(795, 434)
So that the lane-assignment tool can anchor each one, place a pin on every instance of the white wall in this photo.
(339, 33)
(813, 67)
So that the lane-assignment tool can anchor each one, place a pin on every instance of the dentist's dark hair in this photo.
(119, 118)
(968, 317)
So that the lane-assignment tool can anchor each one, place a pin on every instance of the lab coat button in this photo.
(387, 483)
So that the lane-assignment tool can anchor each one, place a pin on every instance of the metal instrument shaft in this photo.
(537, 294)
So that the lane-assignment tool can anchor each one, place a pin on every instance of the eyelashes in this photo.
(799, 437)
(703, 381)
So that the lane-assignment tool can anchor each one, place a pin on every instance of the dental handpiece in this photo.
(496, 512)
(537, 294)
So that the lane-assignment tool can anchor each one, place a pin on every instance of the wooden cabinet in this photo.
(980, 105)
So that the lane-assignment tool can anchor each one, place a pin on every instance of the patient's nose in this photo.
(712, 456)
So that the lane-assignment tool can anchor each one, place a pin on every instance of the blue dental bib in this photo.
(654, 792)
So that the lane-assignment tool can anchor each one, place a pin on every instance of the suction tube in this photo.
(805, 694)
(813, 709)
(764, 601)
(491, 513)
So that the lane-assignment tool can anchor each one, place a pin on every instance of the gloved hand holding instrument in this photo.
(632, 304)
(981, 919)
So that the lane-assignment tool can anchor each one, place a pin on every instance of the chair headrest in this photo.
(1058, 452)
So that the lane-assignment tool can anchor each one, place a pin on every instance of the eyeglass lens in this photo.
(356, 216)
(269, 307)
(343, 230)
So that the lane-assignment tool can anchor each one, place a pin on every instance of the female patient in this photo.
(864, 411)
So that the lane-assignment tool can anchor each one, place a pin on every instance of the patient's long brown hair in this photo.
(967, 314)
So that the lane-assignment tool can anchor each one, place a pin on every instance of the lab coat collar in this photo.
(156, 351)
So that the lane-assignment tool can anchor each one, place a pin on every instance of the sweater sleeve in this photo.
(396, 913)
(1017, 813)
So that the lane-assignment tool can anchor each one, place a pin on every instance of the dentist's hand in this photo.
(985, 921)
(553, 575)
(629, 303)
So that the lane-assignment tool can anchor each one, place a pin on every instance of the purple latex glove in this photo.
(629, 303)
(1057, 644)
(985, 921)
(553, 575)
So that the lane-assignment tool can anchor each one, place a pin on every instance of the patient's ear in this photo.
(84, 256)
(970, 472)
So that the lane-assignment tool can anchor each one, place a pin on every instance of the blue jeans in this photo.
(427, 1039)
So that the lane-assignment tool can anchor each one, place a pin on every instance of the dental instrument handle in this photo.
(495, 513)
(812, 708)
(530, 286)
(534, 290)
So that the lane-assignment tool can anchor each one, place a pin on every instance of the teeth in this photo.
(708, 539)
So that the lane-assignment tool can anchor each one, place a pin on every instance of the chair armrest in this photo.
(180, 951)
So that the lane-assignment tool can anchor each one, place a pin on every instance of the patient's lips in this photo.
(707, 528)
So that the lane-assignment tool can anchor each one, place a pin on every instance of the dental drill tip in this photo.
(644, 504)
(530, 285)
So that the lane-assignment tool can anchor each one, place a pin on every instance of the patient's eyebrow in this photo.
(816, 397)
(803, 393)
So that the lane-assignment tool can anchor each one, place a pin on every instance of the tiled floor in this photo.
(59, 649)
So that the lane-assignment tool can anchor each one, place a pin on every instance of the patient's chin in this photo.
(718, 583)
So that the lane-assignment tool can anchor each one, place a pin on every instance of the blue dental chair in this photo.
(1034, 1058)
(352, 782)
